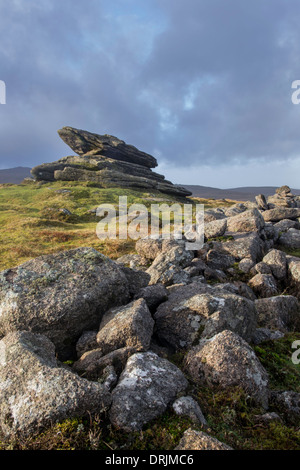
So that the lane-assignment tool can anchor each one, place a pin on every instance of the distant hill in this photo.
(237, 194)
(14, 175)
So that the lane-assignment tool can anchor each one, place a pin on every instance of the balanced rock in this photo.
(83, 142)
(106, 161)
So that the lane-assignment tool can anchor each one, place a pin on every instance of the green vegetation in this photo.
(32, 223)
(275, 356)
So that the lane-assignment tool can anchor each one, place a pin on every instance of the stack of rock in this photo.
(107, 161)
(283, 198)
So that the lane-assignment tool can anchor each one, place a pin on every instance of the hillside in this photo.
(14, 175)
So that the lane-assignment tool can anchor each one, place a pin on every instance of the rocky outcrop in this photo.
(106, 161)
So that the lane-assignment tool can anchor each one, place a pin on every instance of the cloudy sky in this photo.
(203, 85)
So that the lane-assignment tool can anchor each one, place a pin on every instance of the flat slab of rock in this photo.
(147, 386)
(61, 295)
(83, 142)
(199, 440)
(226, 361)
(35, 391)
(280, 213)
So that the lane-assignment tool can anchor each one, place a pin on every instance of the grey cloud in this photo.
(198, 82)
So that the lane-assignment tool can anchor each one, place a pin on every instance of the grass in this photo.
(32, 223)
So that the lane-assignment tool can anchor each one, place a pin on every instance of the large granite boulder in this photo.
(61, 295)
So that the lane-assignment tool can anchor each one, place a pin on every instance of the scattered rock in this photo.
(264, 285)
(153, 295)
(147, 386)
(130, 326)
(264, 334)
(215, 228)
(278, 313)
(199, 440)
(197, 309)
(35, 391)
(248, 221)
(280, 213)
(187, 406)
(276, 259)
(288, 405)
(86, 342)
(226, 360)
(290, 239)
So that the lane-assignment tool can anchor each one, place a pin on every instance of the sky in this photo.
(205, 86)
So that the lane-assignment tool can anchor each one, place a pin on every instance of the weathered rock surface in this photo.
(288, 405)
(92, 363)
(199, 440)
(278, 313)
(264, 285)
(147, 386)
(153, 295)
(187, 406)
(290, 239)
(83, 142)
(294, 269)
(248, 221)
(280, 213)
(215, 228)
(61, 295)
(197, 309)
(35, 391)
(129, 326)
(276, 259)
(226, 360)
(244, 245)
(167, 266)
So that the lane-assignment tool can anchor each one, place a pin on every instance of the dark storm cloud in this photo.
(191, 81)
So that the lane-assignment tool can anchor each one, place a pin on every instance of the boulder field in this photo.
(119, 322)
